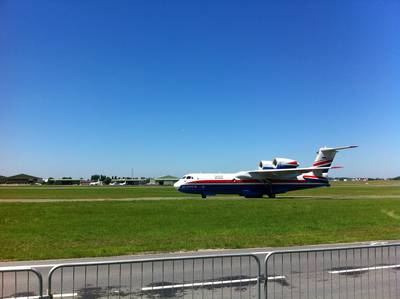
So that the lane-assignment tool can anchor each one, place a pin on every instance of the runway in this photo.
(337, 273)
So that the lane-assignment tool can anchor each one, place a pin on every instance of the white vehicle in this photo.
(272, 177)
(122, 184)
(113, 184)
(96, 183)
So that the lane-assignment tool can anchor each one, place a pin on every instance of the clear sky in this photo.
(169, 87)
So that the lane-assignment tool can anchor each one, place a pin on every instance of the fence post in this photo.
(18, 269)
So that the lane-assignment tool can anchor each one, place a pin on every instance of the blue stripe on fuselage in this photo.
(280, 167)
(241, 189)
(286, 166)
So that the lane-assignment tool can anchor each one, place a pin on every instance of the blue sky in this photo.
(169, 87)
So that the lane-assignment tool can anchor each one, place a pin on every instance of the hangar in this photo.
(167, 180)
(23, 179)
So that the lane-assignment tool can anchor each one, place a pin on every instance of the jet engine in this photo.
(266, 165)
(278, 163)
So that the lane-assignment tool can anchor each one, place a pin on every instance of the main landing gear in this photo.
(271, 195)
(204, 196)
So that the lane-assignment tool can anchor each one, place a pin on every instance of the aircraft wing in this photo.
(274, 173)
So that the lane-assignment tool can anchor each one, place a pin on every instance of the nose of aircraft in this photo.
(178, 184)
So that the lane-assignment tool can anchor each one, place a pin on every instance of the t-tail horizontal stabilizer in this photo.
(325, 156)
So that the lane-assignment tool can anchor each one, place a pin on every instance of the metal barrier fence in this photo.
(20, 282)
(343, 272)
(346, 272)
(212, 276)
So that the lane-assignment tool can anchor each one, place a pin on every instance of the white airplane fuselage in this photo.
(208, 184)
(273, 177)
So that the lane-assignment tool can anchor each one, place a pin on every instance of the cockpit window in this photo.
(184, 177)
(189, 177)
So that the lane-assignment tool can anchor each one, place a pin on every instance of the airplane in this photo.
(272, 177)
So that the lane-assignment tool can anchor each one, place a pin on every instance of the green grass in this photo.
(61, 230)
(348, 189)
(349, 212)
(83, 192)
(380, 188)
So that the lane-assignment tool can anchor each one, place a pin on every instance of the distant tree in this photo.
(95, 177)
(107, 180)
(50, 181)
(396, 178)
(67, 178)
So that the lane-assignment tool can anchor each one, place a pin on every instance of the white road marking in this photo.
(278, 277)
(65, 295)
(364, 269)
(208, 283)
(55, 295)
(378, 243)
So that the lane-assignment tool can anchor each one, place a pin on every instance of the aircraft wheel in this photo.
(271, 195)
(203, 196)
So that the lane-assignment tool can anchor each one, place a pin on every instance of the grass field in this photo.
(39, 230)
(84, 192)
(376, 188)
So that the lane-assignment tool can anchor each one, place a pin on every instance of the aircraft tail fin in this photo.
(325, 156)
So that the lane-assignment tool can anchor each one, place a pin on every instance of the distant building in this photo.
(3, 179)
(23, 179)
(167, 180)
(84, 182)
(64, 181)
(152, 181)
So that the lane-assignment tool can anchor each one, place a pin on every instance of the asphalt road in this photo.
(358, 273)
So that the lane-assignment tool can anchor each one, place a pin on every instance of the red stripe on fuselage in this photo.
(224, 181)
(288, 181)
(322, 162)
(313, 177)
